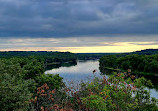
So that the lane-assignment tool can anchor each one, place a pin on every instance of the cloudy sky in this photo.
(78, 25)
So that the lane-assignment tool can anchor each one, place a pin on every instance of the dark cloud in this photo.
(69, 18)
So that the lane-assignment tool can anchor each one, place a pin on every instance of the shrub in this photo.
(54, 81)
(14, 94)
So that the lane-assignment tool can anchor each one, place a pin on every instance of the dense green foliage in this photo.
(54, 81)
(14, 90)
(20, 77)
(138, 63)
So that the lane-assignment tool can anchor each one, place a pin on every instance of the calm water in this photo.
(83, 71)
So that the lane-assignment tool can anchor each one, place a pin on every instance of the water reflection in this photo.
(56, 66)
(82, 71)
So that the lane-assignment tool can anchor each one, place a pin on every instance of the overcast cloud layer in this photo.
(69, 18)
(78, 25)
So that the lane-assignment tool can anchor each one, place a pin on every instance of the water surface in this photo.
(82, 71)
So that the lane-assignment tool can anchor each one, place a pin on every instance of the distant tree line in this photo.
(92, 56)
(146, 52)
(135, 62)
(45, 56)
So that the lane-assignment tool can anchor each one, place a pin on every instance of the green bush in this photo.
(95, 102)
(14, 94)
(115, 93)
(54, 81)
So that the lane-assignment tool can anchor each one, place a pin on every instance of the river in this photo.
(83, 71)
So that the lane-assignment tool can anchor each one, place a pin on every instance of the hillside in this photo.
(146, 52)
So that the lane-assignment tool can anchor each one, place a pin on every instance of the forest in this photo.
(25, 87)
(142, 64)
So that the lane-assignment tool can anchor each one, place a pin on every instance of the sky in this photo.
(78, 25)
